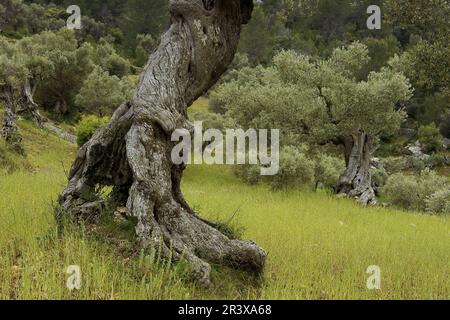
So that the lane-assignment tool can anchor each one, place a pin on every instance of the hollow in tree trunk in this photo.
(132, 152)
(357, 180)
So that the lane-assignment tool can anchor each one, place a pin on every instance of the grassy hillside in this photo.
(319, 247)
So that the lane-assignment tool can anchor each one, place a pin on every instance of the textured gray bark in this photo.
(9, 117)
(10, 131)
(132, 151)
(357, 181)
(17, 103)
(27, 105)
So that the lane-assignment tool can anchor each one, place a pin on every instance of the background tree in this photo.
(13, 74)
(323, 101)
(425, 30)
(258, 38)
(108, 59)
(70, 65)
(102, 93)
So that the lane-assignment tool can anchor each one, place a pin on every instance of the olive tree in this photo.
(63, 66)
(131, 153)
(101, 92)
(13, 74)
(49, 62)
(323, 101)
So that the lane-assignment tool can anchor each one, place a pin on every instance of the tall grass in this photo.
(319, 247)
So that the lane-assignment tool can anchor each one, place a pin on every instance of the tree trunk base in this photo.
(10, 132)
(27, 104)
(357, 180)
(134, 157)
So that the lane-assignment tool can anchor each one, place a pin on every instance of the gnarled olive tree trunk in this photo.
(10, 131)
(357, 181)
(9, 116)
(132, 152)
(27, 104)
(15, 104)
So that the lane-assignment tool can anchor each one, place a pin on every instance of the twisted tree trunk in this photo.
(132, 152)
(10, 131)
(16, 104)
(27, 104)
(9, 117)
(357, 180)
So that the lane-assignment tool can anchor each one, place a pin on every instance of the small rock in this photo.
(446, 143)
(416, 151)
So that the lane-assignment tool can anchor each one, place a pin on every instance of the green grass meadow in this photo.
(319, 247)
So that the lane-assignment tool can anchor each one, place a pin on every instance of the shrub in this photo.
(439, 202)
(250, 174)
(295, 169)
(411, 192)
(430, 138)
(400, 190)
(101, 93)
(213, 120)
(438, 160)
(416, 164)
(327, 171)
(87, 126)
(393, 164)
(392, 147)
(379, 177)
(219, 100)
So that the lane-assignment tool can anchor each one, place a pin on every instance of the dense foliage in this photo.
(87, 126)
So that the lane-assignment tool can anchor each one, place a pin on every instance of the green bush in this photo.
(439, 202)
(87, 126)
(392, 147)
(416, 164)
(219, 99)
(393, 164)
(327, 171)
(438, 160)
(411, 192)
(101, 93)
(250, 174)
(213, 120)
(295, 169)
(430, 138)
(379, 177)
